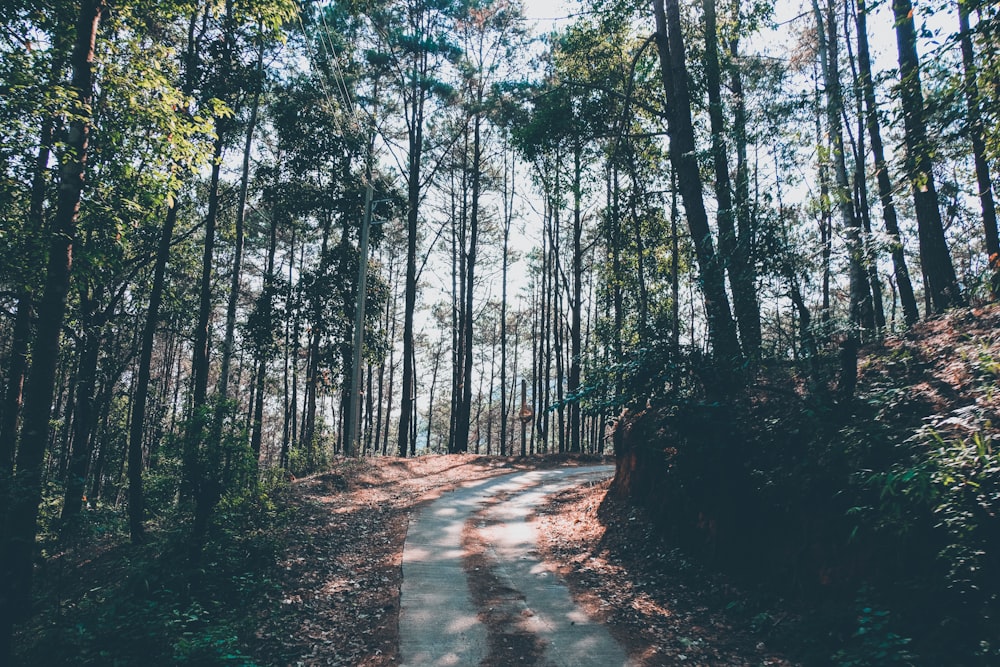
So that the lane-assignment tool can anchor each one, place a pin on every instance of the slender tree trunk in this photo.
(83, 413)
(900, 271)
(263, 353)
(683, 155)
(207, 464)
(576, 303)
(556, 322)
(136, 503)
(291, 365)
(200, 470)
(935, 259)
(675, 272)
(410, 290)
(745, 306)
(24, 311)
(464, 416)
(392, 370)
(640, 252)
(430, 400)
(508, 216)
(237, 267)
(825, 212)
(22, 505)
(974, 125)
(860, 294)
(415, 129)
(749, 305)
(870, 254)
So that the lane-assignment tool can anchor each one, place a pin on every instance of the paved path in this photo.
(439, 624)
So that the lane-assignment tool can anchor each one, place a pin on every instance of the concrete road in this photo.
(440, 625)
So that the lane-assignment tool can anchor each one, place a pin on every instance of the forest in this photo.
(244, 240)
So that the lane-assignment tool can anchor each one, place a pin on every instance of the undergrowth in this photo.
(157, 605)
(879, 515)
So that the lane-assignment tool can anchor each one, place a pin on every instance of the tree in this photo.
(860, 308)
(974, 127)
(902, 274)
(22, 507)
(489, 35)
(414, 45)
(935, 259)
(741, 276)
(683, 156)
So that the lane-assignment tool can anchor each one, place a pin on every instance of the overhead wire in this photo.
(339, 73)
(322, 82)
(339, 80)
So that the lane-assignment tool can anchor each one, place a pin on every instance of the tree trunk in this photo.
(83, 413)
(22, 506)
(136, 503)
(576, 304)
(200, 357)
(869, 252)
(825, 213)
(900, 271)
(410, 288)
(237, 268)
(974, 125)
(464, 417)
(935, 259)
(860, 294)
(263, 353)
(745, 305)
(683, 155)
(430, 400)
(21, 333)
(508, 216)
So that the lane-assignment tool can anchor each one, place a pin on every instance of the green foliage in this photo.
(654, 373)
(873, 643)
(155, 606)
(955, 483)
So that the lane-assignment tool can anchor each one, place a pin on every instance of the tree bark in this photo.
(974, 125)
(683, 155)
(860, 293)
(136, 502)
(749, 301)
(410, 288)
(745, 306)
(237, 268)
(935, 259)
(22, 506)
(906, 298)
(464, 417)
(21, 333)
(83, 411)
(508, 215)
(193, 469)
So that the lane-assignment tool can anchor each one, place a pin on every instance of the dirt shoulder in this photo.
(662, 608)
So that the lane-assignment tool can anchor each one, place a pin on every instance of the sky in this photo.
(549, 13)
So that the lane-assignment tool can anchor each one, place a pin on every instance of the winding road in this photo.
(475, 591)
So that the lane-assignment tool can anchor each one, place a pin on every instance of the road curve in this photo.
(439, 623)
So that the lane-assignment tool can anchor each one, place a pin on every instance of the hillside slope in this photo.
(884, 511)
